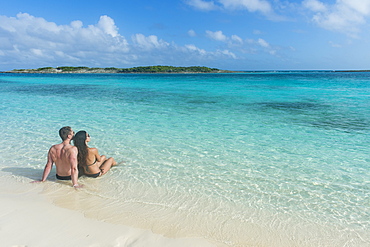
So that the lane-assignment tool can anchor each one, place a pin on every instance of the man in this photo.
(64, 155)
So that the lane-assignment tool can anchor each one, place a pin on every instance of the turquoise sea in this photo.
(244, 159)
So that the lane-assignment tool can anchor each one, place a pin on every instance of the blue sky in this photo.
(225, 34)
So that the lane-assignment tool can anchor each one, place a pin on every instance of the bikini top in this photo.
(92, 163)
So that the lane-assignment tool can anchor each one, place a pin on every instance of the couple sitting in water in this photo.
(74, 161)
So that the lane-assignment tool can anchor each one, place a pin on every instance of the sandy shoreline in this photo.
(29, 218)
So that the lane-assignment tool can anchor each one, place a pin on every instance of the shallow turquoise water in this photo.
(260, 156)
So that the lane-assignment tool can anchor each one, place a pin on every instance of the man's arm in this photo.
(74, 169)
(48, 166)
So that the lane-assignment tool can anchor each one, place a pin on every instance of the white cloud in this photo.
(332, 44)
(76, 24)
(202, 5)
(314, 5)
(218, 35)
(33, 38)
(193, 48)
(262, 6)
(260, 46)
(257, 32)
(236, 43)
(37, 52)
(343, 16)
(106, 24)
(263, 43)
(192, 33)
(148, 43)
(28, 42)
(237, 39)
(360, 6)
(251, 5)
(228, 53)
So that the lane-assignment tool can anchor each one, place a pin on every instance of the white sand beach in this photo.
(29, 218)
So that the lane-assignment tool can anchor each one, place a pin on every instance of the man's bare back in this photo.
(64, 156)
(61, 156)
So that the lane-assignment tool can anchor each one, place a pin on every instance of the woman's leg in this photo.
(107, 165)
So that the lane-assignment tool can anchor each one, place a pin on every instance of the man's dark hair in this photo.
(64, 132)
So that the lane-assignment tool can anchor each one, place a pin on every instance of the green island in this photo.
(143, 69)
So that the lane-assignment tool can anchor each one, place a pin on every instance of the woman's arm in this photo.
(97, 155)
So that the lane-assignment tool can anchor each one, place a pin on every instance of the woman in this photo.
(90, 163)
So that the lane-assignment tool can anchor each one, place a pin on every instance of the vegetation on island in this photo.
(143, 69)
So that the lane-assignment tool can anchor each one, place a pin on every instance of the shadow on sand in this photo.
(31, 173)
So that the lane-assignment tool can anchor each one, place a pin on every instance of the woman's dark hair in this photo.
(79, 140)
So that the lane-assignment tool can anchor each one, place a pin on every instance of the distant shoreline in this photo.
(352, 71)
(159, 69)
(135, 70)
